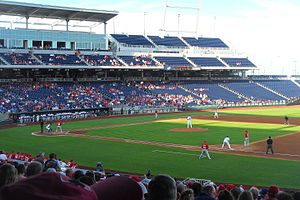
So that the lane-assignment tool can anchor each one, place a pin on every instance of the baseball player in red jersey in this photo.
(59, 126)
(246, 138)
(204, 148)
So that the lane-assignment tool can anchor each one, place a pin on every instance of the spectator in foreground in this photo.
(236, 191)
(162, 187)
(284, 196)
(34, 168)
(225, 195)
(118, 188)
(245, 195)
(21, 171)
(208, 193)
(197, 189)
(187, 195)
(272, 192)
(8, 175)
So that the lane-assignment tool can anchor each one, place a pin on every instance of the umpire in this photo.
(269, 145)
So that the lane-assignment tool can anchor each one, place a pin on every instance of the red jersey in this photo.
(247, 134)
(59, 123)
(204, 146)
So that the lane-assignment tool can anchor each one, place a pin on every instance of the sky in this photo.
(266, 31)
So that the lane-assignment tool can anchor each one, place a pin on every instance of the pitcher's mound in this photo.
(188, 129)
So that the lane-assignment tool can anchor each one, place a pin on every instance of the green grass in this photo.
(217, 130)
(138, 158)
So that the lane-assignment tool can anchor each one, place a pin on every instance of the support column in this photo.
(105, 23)
(27, 18)
(67, 24)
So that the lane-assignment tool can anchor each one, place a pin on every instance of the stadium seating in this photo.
(205, 42)
(285, 87)
(167, 41)
(252, 90)
(173, 61)
(19, 58)
(134, 40)
(138, 60)
(238, 62)
(206, 62)
(213, 91)
(60, 59)
(102, 60)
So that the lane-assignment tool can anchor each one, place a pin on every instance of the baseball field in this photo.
(164, 145)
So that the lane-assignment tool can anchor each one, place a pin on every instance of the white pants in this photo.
(246, 142)
(59, 127)
(189, 124)
(206, 152)
(227, 143)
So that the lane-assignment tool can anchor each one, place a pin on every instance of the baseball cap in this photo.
(273, 190)
(47, 186)
(118, 188)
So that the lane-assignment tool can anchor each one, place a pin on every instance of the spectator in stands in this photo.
(162, 187)
(91, 174)
(34, 168)
(2, 156)
(284, 196)
(21, 171)
(78, 174)
(187, 195)
(225, 195)
(245, 195)
(254, 192)
(235, 191)
(40, 158)
(296, 195)
(208, 193)
(70, 173)
(99, 168)
(86, 180)
(52, 162)
(119, 188)
(8, 174)
(272, 192)
(197, 188)
(47, 186)
(147, 178)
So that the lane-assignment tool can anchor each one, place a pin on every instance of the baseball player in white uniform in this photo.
(189, 122)
(216, 115)
(226, 141)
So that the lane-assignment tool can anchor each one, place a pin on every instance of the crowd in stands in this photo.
(45, 179)
(18, 97)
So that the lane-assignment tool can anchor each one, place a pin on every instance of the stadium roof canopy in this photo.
(54, 12)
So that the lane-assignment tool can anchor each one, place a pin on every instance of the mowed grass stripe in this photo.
(217, 130)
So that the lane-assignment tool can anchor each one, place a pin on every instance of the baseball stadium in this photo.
(122, 100)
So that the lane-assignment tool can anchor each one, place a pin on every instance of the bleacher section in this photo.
(60, 59)
(18, 58)
(206, 62)
(285, 87)
(251, 90)
(173, 61)
(238, 62)
(102, 60)
(138, 60)
(134, 40)
(205, 42)
(167, 41)
(213, 91)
